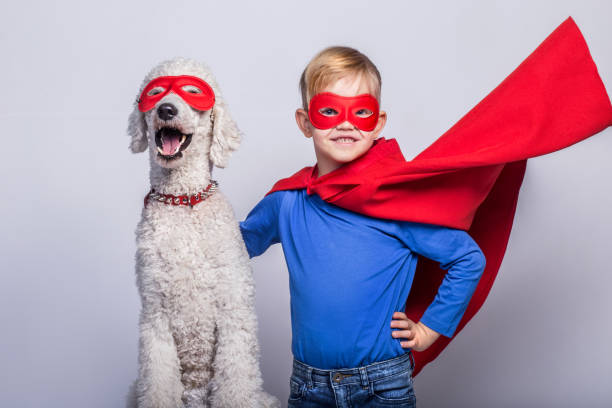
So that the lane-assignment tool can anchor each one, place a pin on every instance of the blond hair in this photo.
(332, 64)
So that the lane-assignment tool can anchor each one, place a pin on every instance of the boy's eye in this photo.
(155, 91)
(363, 113)
(328, 111)
(192, 89)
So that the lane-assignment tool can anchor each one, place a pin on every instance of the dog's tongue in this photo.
(171, 141)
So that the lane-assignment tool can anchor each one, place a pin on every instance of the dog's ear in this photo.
(137, 130)
(225, 135)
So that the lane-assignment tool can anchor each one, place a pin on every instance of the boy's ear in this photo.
(382, 120)
(301, 117)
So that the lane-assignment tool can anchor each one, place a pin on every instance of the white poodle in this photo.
(198, 341)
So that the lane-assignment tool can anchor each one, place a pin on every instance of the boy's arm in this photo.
(260, 228)
(456, 252)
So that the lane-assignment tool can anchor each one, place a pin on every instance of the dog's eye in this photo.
(192, 89)
(155, 91)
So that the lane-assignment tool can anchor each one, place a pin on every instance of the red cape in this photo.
(470, 177)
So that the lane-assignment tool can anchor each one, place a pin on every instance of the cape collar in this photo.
(382, 153)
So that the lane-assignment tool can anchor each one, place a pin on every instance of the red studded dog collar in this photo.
(187, 200)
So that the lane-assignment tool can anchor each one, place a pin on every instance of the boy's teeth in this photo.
(344, 140)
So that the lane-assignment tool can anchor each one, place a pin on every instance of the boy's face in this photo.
(344, 142)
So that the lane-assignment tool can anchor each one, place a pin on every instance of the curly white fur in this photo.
(198, 342)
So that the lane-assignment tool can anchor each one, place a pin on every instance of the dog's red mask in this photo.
(195, 91)
(328, 110)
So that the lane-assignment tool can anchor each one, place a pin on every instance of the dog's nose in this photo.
(166, 111)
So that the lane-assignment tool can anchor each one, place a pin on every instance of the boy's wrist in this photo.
(430, 333)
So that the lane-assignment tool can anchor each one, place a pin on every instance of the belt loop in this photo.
(363, 373)
(310, 382)
(411, 360)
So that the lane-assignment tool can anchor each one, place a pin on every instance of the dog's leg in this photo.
(237, 379)
(159, 378)
(195, 349)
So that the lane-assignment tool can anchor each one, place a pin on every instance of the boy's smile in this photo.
(344, 142)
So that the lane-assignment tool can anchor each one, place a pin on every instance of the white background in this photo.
(72, 193)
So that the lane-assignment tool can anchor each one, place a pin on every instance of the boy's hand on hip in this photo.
(416, 336)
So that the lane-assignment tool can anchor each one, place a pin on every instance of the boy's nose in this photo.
(346, 125)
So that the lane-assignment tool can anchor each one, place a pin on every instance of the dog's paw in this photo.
(236, 399)
(265, 400)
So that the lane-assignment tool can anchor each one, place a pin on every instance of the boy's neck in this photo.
(326, 168)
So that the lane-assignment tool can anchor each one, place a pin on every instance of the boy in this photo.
(350, 274)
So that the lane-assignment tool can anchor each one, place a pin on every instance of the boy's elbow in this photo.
(474, 264)
(480, 262)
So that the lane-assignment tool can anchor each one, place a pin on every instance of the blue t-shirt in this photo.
(349, 272)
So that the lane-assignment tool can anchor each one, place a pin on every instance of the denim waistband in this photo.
(371, 372)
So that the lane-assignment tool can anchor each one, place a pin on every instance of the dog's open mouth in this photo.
(171, 142)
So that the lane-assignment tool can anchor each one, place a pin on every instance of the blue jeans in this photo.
(383, 384)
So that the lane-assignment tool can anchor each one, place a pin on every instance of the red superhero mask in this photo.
(195, 91)
(341, 109)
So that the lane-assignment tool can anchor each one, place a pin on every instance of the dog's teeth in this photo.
(160, 150)
(177, 149)
(183, 139)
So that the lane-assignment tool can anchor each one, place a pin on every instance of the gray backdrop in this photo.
(72, 193)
